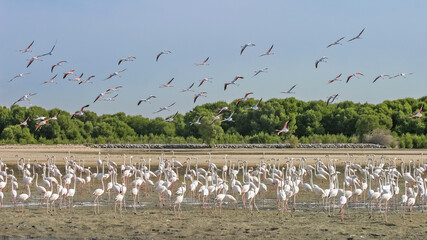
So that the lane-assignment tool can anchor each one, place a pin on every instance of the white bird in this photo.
(115, 74)
(146, 99)
(18, 76)
(358, 36)
(27, 49)
(35, 58)
(197, 122)
(322, 59)
(203, 63)
(284, 129)
(188, 89)
(402, 75)
(56, 65)
(127, 59)
(418, 114)
(171, 118)
(337, 42)
(25, 98)
(233, 82)
(229, 118)
(165, 108)
(161, 53)
(167, 84)
(268, 52)
(380, 76)
(256, 106)
(260, 71)
(51, 80)
(245, 46)
(290, 90)
(205, 80)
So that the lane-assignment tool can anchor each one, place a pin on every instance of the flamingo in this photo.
(358, 36)
(205, 80)
(98, 192)
(54, 117)
(233, 82)
(27, 49)
(401, 75)
(354, 75)
(418, 114)
(110, 90)
(80, 113)
(216, 118)
(171, 118)
(42, 123)
(110, 99)
(167, 84)
(22, 198)
(127, 59)
(77, 79)
(51, 80)
(161, 53)
(165, 108)
(188, 89)
(203, 63)
(31, 60)
(290, 90)
(71, 72)
(284, 129)
(99, 96)
(58, 64)
(335, 79)
(197, 122)
(18, 76)
(25, 98)
(24, 123)
(201, 94)
(268, 52)
(256, 106)
(224, 109)
(50, 52)
(146, 99)
(245, 46)
(229, 118)
(337, 42)
(331, 99)
(380, 76)
(342, 201)
(260, 71)
(244, 99)
(87, 80)
(115, 74)
(322, 59)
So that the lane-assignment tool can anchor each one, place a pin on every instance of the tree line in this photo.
(386, 123)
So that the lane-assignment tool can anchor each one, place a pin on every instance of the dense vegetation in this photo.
(310, 122)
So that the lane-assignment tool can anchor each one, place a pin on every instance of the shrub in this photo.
(379, 136)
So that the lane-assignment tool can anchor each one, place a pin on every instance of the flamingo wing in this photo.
(31, 61)
(206, 60)
(286, 124)
(31, 44)
(85, 106)
(158, 55)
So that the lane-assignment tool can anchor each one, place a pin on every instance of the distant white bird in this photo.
(290, 90)
(322, 59)
(146, 99)
(50, 52)
(165, 108)
(204, 63)
(205, 80)
(229, 118)
(244, 99)
(331, 99)
(27, 49)
(402, 75)
(335, 79)
(284, 129)
(380, 76)
(167, 84)
(127, 59)
(110, 99)
(358, 36)
(18, 76)
(77, 79)
(115, 74)
(201, 94)
(418, 114)
(87, 80)
(245, 46)
(51, 80)
(161, 53)
(25, 98)
(268, 52)
(260, 71)
(79, 113)
(171, 118)
(216, 118)
(256, 106)
(354, 75)
(337, 42)
(24, 123)
(35, 58)
(233, 82)
(188, 89)
(197, 122)
(56, 65)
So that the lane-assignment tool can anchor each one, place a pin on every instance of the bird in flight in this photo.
(42, 123)
(165, 108)
(216, 118)
(223, 109)
(290, 90)
(71, 72)
(331, 99)
(35, 58)
(115, 74)
(146, 99)
(58, 64)
(197, 122)
(354, 75)
(79, 113)
(100, 95)
(229, 118)
(18, 76)
(268, 52)
(87, 80)
(380, 76)
(77, 79)
(171, 118)
(256, 106)
(51, 80)
(110, 90)
(203, 63)
(358, 36)
(167, 84)
(322, 59)
(233, 82)
(205, 80)
(402, 75)
(335, 79)
(27, 49)
(245, 46)
(40, 118)
(260, 71)
(110, 99)
(418, 114)
(25, 98)
(201, 94)
(49, 53)
(283, 130)
(337, 42)
(54, 117)
(161, 53)
(188, 89)
(24, 123)
(127, 59)
(244, 99)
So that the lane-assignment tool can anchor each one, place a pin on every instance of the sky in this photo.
(93, 35)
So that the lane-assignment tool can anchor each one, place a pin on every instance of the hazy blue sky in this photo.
(93, 35)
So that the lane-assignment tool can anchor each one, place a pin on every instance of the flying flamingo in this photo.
(201, 94)
(161, 53)
(358, 36)
(331, 99)
(40, 118)
(224, 109)
(322, 59)
(146, 99)
(54, 117)
(245, 46)
(77, 79)
(25, 98)
(24, 123)
(51, 80)
(260, 71)
(27, 49)
(98, 192)
(80, 113)
(205, 80)
(229, 118)
(71, 72)
(110, 99)
(418, 114)
(203, 63)
(402, 75)
(49, 53)
(87, 80)
(283, 130)
(115, 74)
(42, 123)
(56, 65)
(188, 89)
(35, 58)
(171, 118)
(127, 59)
(18, 76)
(165, 108)
(337, 42)
(256, 106)
(335, 79)
(354, 75)
(167, 84)
(244, 99)
(290, 90)
(216, 118)
(380, 76)
(110, 90)
(99, 96)
(232, 82)
(197, 122)
(268, 52)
